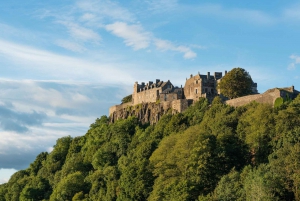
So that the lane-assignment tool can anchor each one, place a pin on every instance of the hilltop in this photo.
(207, 152)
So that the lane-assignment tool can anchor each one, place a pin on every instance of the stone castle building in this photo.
(152, 92)
(177, 98)
(153, 99)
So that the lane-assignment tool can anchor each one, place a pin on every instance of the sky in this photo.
(64, 63)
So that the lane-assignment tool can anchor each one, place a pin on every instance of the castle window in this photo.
(196, 91)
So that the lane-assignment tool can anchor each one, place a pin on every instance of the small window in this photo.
(196, 91)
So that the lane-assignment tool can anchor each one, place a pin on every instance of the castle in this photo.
(177, 98)
(153, 99)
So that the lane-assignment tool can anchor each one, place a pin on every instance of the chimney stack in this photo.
(208, 75)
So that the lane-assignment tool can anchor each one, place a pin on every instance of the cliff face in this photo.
(148, 112)
(145, 112)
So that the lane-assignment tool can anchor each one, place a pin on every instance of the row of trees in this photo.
(209, 152)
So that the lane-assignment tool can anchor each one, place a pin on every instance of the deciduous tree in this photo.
(236, 83)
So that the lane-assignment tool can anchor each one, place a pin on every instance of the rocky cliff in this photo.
(145, 112)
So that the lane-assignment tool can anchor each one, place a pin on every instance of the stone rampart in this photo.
(115, 108)
(268, 97)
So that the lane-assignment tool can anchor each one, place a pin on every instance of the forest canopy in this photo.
(209, 152)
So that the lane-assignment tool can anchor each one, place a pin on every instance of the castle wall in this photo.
(268, 97)
(169, 97)
(150, 95)
(115, 108)
(181, 104)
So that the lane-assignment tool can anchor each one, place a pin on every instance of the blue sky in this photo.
(63, 63)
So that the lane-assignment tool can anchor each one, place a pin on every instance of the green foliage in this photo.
(209, 152)
(256, 128)
(68, 187)
(195, 113)
(36, 189)
(229, 187)
(278, 102)
(127, 99)
(236, 83)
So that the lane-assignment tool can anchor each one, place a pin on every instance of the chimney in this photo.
(191, 75)
(150, 83)
(208, 75)
(157, 81)
(225, 72)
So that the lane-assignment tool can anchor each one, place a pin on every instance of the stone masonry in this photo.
(164, 96)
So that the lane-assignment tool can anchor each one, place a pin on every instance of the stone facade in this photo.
(165, 96)
(150, 92)
(202, 86)
(268, 97)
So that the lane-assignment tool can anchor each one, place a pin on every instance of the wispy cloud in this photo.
(11, 120)
(75, 47)
(292, 13)
(133, 35)
(246, 15)
(296, 60)
(81, 33)
(47, 110)
(105, 10)
(167, 45)
(62, 67)
(162, 5)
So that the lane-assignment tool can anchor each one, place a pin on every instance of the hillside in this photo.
(208, 152)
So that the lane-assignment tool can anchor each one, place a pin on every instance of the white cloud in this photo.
(79, 32)
(70, 45)
(167, 45)
(5, 174)
(133, 35)
(69, 107)
(292, 13)
(247, 15)
(105, 10)
(87, 17)
(48, 65)
(162, 5)
(296, 61)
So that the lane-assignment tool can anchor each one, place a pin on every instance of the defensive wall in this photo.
(268, 97)
(114, 108)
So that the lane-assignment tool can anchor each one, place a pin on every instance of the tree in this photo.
(127, 99)
(236, 83)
